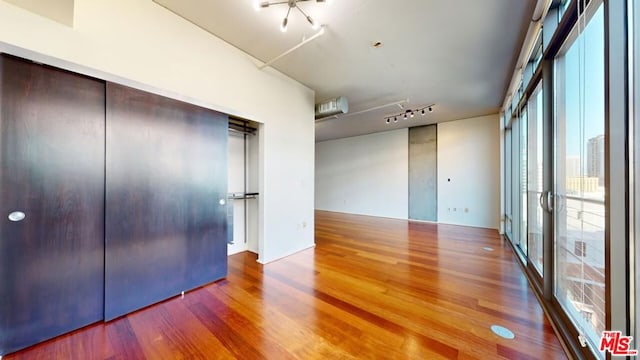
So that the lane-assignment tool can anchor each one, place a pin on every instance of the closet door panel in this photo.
(166, 173)
(52, 171)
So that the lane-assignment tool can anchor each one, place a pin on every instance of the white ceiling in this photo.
(457, 54)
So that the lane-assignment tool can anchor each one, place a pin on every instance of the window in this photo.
(535, 228)
(507, 183)
(579, 284)
(522, 239)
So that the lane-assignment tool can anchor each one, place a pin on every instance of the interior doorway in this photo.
(243, 186)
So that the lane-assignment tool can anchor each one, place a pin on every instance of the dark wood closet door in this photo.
(52, 169)
(166, 172)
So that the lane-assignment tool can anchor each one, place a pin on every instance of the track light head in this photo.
(283, 27)
(395, 120)
(404, 116)
(422, 112)
(430, 109)
(411, 114)
(388, 120)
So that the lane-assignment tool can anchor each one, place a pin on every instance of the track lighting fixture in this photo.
(292, 4)
(410, 113)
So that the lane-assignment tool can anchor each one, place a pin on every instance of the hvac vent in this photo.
(331, 107)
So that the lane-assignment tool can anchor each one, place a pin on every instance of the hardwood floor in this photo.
(371, 288)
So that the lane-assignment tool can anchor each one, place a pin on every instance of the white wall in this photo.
(140, 44)
(364, 174)
(369, 174)
(469, 155)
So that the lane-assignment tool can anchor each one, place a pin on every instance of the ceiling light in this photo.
(314, 24)
(410, 113)
(292, 4)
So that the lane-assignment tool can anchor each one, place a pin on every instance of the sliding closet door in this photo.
(166, 180)
(51, 202)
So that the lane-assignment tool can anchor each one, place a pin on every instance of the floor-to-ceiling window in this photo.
(516, 224)
(535, 199)
(507, 175)
(522, 194)
(516, 144)
(634, 66)
(563, 133)
(579, 176)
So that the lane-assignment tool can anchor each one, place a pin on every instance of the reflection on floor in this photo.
(371, 288)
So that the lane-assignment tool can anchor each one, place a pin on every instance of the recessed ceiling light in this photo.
(377, 44)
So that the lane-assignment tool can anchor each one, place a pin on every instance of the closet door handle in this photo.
(16, 216)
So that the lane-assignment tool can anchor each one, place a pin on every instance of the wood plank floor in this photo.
(371, 288)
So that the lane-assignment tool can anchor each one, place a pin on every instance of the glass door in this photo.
(522, 188)
(579, 156)
(536, 198)
(507, 173)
